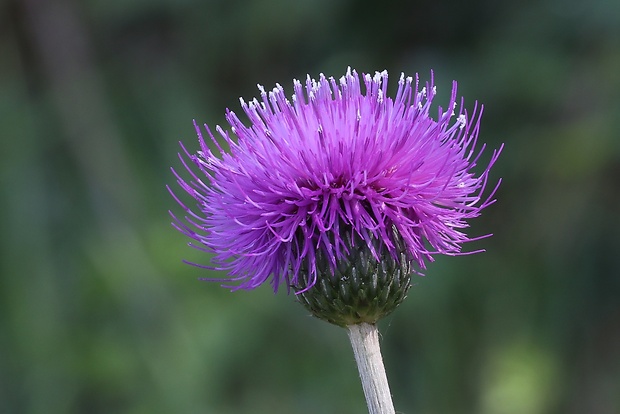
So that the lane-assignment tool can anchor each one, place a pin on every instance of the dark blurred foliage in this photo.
(99, 315)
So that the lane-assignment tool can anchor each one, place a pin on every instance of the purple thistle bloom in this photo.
(338, 159)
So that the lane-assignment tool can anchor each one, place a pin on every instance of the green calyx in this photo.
(361, 288)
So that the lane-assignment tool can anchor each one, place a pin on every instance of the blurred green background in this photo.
(99, 315)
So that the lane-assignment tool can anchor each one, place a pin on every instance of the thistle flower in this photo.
(336, 178)
(341, 194)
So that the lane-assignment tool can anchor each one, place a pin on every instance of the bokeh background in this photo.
(99, 315)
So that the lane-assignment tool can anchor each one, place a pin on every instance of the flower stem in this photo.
(365, 342)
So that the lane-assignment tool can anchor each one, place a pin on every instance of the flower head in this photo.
(338, 165)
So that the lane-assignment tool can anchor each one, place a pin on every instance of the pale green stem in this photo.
(365, 342)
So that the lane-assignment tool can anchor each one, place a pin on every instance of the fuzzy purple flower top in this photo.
(339, 159)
